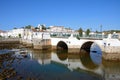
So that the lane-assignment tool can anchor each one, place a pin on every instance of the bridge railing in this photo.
(96, 38)
(91, 37)
(100, 37)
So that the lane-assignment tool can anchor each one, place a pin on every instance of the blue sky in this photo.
(69, 13)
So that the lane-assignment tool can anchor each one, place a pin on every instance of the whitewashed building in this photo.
(14, 33)
(27, 38)
(17, 33)
(3, 33)
(59, 29)
(37, 35)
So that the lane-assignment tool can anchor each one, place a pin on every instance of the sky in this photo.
(74, 14)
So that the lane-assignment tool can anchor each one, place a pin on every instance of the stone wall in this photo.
(42, 44)
(111, 49)
(9, 44)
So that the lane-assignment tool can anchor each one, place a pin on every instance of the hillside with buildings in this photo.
(29, 32)
(34, 31)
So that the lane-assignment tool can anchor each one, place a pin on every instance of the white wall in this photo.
(14, 33)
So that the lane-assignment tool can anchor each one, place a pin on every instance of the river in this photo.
(29, 64)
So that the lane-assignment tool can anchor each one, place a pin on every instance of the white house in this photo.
(59, 29)
(15, 33)
(37, 35)
(3, 33)
(41, 35)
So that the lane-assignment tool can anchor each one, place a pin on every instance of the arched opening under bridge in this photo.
(62, 46)
(90, 55)
(86, 46)
(91, 47)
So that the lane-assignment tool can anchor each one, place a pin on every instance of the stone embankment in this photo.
(9, 43)
(6, 70)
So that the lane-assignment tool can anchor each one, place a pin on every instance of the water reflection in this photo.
(72, 62)
(87, 61)
(57, 65)
(95, 49)
(111, 70)
(43, 57)
(61, 65)
(82, 61)
(62, 54)
(92, 59)
(96, 54)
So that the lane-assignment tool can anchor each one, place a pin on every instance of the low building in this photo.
(15, 33)
(59, 29)
(3, 33)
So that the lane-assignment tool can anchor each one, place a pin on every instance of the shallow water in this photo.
(61, 65)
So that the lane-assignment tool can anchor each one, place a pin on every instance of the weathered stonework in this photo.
(73, 50)
(42, 44)
(111, 53)
(109, 47)
(112, 49)
(111, 56)
(54, 48)
(29, 45)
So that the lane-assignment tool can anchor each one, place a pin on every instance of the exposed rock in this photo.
(7, 71)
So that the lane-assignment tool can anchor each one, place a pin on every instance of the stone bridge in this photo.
(109, 47)
(75, 45)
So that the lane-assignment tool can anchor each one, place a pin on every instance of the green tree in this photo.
(19, 35)
(28, 27)
(43, 27)
(80, 32)
(36, 28)
(87, 32)
(96, 31)
(14, 28)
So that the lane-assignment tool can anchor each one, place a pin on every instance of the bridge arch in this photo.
(62, 55)
(86, 46)
(62, 45)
